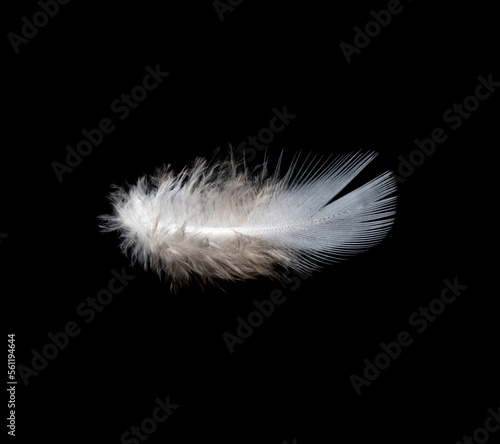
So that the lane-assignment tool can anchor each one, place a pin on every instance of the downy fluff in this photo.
(223, 221)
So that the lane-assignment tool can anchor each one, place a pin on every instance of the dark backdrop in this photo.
(294, 377)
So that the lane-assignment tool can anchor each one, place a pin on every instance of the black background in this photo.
(290, 379)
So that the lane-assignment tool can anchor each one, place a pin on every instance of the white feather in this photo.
(221, 221)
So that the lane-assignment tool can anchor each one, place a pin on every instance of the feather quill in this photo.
(223, 221)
